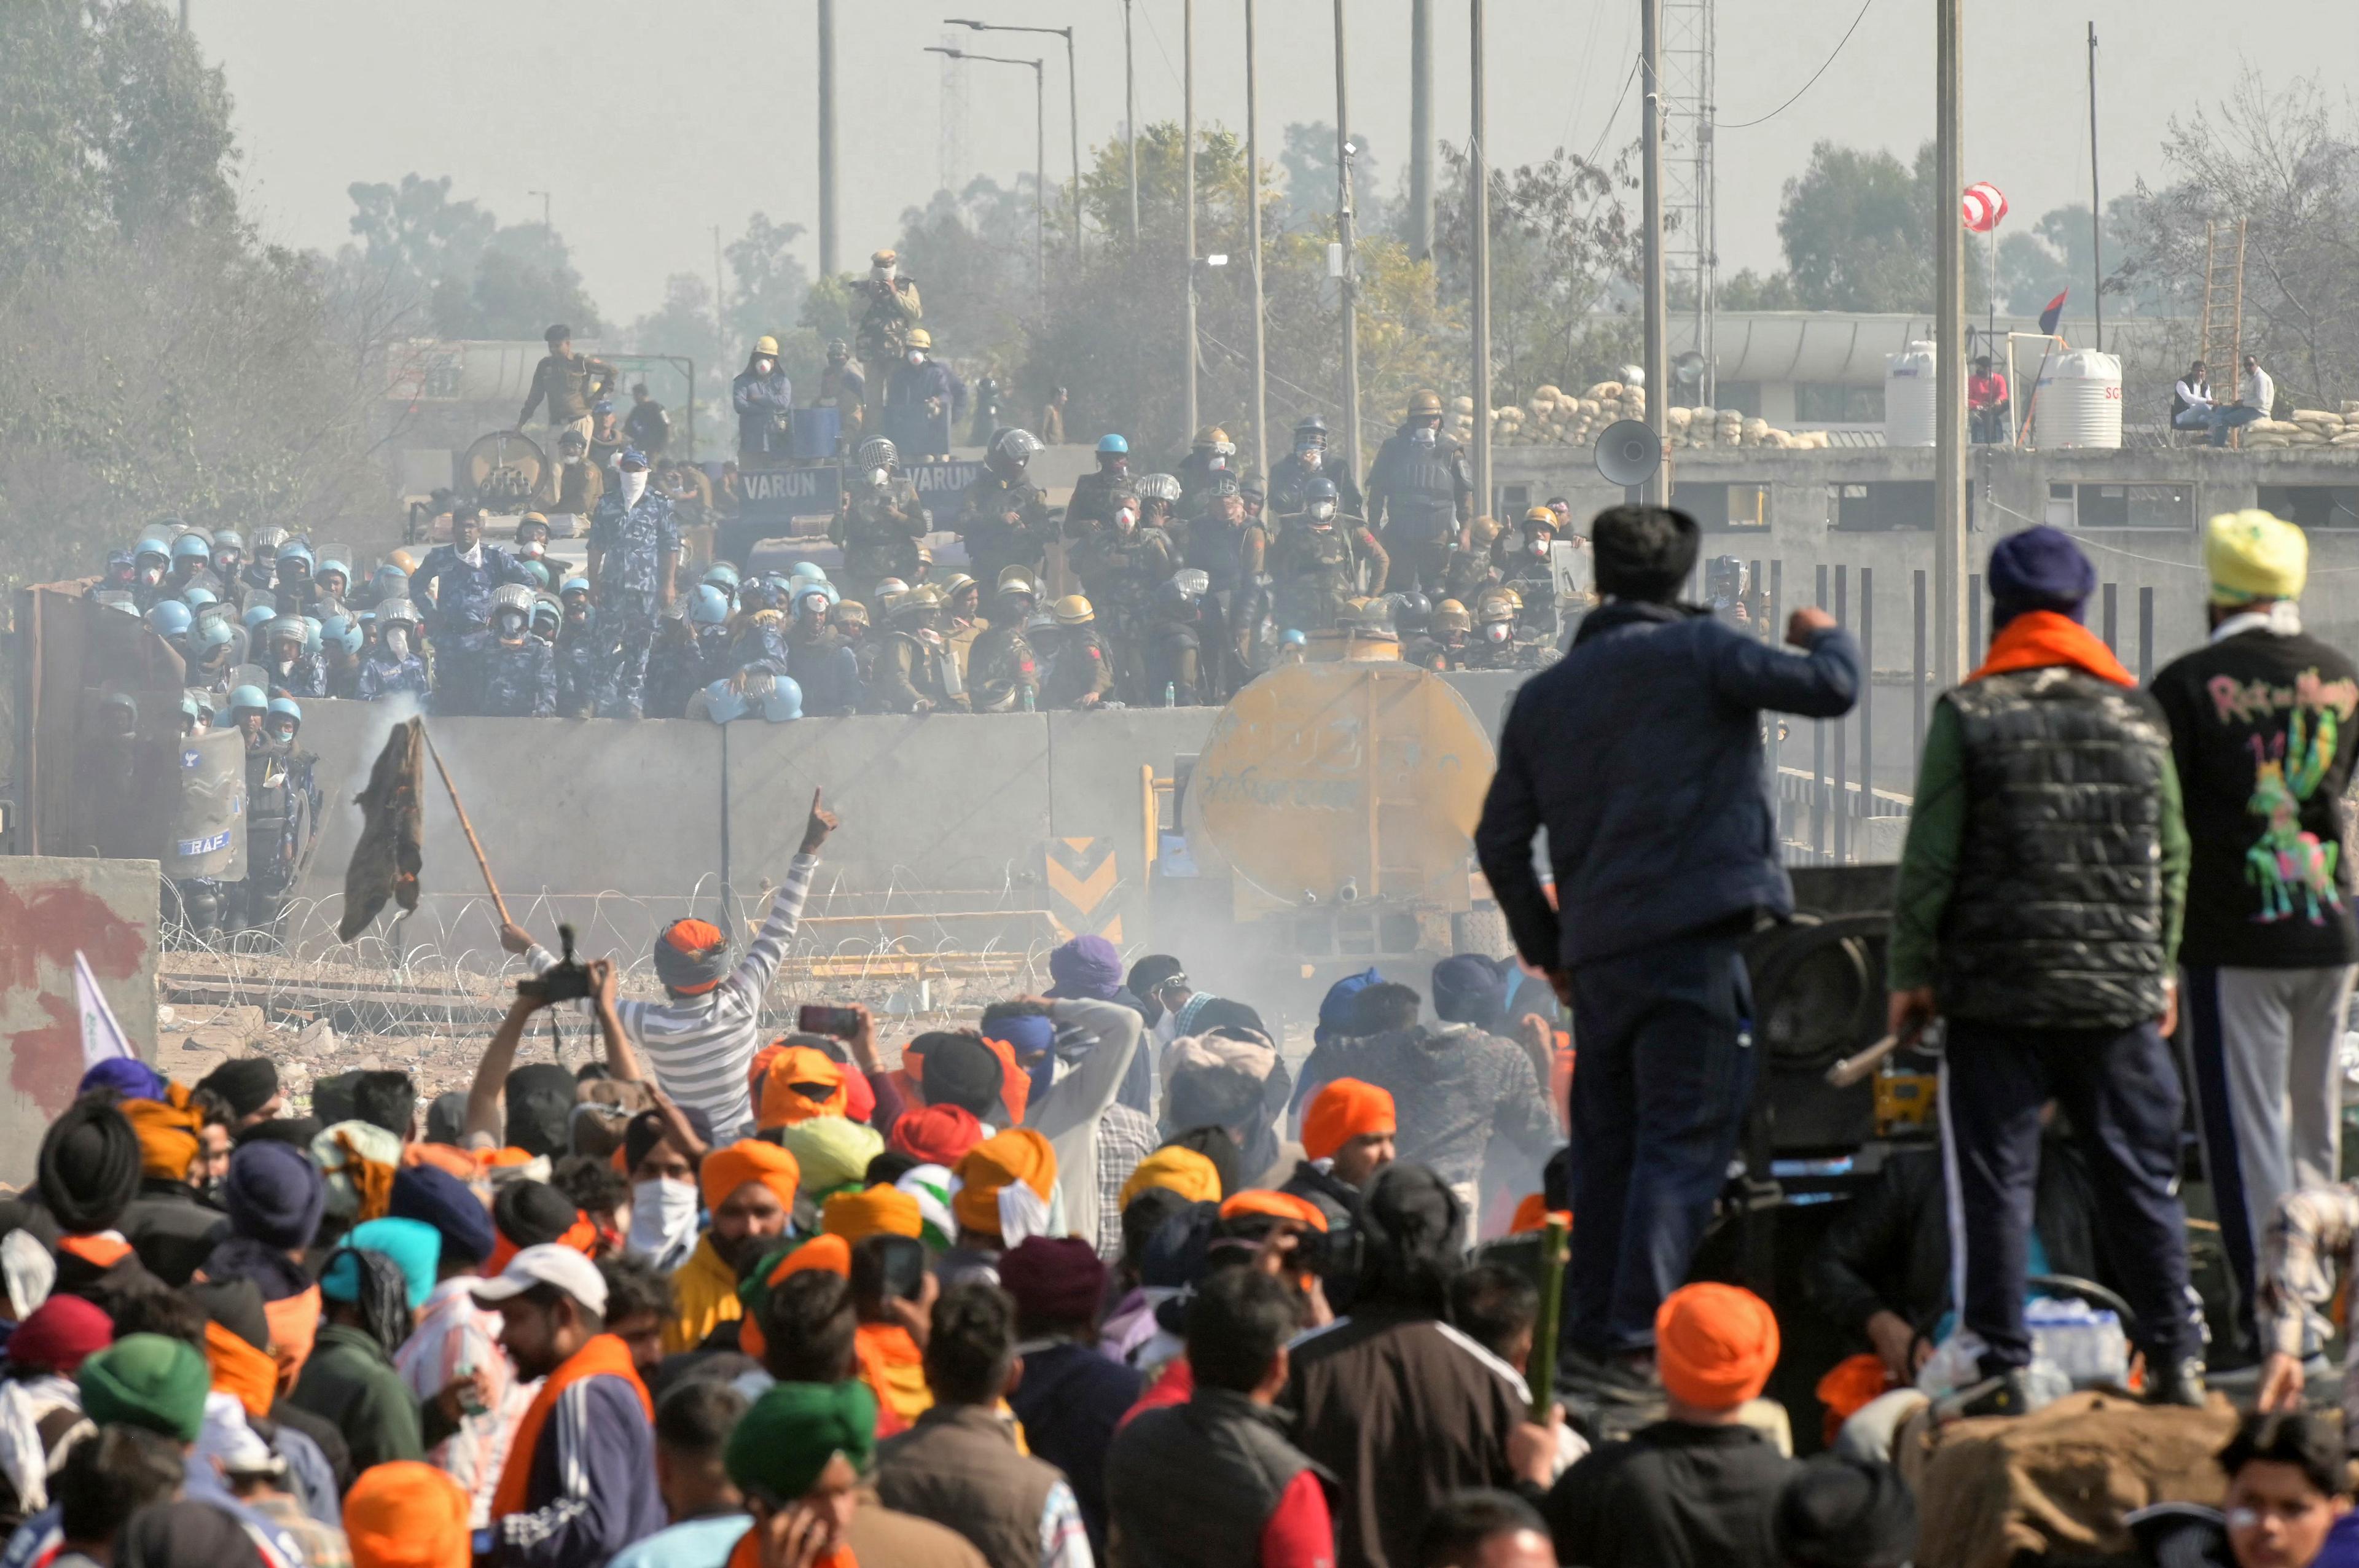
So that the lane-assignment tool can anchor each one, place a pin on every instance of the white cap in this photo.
(547, 1264)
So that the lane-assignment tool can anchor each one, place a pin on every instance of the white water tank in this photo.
(1909, 385)
(2080, 401)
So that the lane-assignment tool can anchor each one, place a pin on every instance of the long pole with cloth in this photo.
(2096, 200)
(1556, 1252)
(1252, 233)
(468, 827)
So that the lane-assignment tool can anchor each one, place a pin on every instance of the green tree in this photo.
(769, 282)
(415, 234)
(1857, 231)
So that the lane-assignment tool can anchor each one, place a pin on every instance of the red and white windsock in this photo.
(1984, 205)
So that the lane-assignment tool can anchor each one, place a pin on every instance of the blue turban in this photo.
(2038, 568)
(434, 1196)
(126, 1076)
(1086, 967)
(1469, 989)
(274, 1194)
(1335, 1010)
(415, 1247)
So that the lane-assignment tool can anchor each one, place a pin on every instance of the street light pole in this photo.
(1252, 202)
(1130, 118)
(828, 246)
(1349, 289)
(1951, 657)
(1039, 68)
(1073, 91)
(1480, 171)
(1658, 488)
(1188, 162)
(545, 226)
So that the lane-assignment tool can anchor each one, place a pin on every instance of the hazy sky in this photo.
(652, 121)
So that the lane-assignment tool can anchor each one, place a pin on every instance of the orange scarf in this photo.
(747, 1553)
(582, 1238)
(895, 1370)
(603, 1357)
(371, 1182)
(99, 1248)
(239, 1368)
(2041, 639)
(294, 1326)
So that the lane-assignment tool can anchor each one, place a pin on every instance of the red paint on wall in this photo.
(47, 1065)
(41, 928)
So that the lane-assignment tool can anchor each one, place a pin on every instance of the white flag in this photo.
(102, 1037)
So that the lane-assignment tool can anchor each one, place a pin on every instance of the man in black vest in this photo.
(1215, 1482)
(2039, 912)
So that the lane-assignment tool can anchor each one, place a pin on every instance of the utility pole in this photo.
(1188, 162)
(828, 256)
(1349, 289)
(720, 321)
(1130, 119)
(1253, 201)
(1658, 489)
(1073, 131)
(1420, 130)
(1480, 171)
(1952, 658)
(2096, 200)
(546, 227)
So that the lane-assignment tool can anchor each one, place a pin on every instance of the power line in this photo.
(1611, 115)
(1746, 124)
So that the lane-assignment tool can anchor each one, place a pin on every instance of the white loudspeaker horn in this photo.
(1628, 453)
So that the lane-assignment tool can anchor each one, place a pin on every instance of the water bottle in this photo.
(1170, 694)
(1029, 705)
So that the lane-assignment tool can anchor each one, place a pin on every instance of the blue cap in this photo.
(249, 696)
(1112, 444)
(630, 455)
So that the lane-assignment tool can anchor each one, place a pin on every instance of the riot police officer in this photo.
(292, 666)
(1174, 647)
(1232, 554)
(850, 620)
(1419, 494)
(229, 560)
(1120, 566)
(1472, 569)
(1291, 476)
(1529, 572)
(340, 649)
(1003, 674)
(1006, 516)
(578, 650)
(634, 548)
(282, 815)
(916, 673)
(880, 523)
(191, 564)
(1079, 674)
(392, 665)
(1323, 559)
(151, 562)
(1095, 498)
(820, 659)
(1214, 453)
(1494, 646)
(518, 677)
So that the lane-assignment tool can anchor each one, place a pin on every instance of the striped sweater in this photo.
(699, 1047)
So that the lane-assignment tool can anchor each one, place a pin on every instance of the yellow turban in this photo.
(1182, 1171)
(879, 1211)
(1019, 1154)
(2252, 555)
(167, 1130)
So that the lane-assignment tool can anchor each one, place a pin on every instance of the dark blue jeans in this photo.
(2119, 1089)
(1659, 1092)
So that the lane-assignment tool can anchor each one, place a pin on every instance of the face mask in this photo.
(1538, 546)
(397, 641)
(635, 485)
(877, 479)
(1497, 631)
(511, 624)
(663, 1221)
(1218, 463)
(1323, 510)
(1125, 518)
(282, 732)
(151, 575)
(883, 273)
(533, 550)
(1311, 456)
(1421, 435)
(916, 356)
(761, 367)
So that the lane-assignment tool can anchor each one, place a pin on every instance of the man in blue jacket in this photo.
(1640, 752)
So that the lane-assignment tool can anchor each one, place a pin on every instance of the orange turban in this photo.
(1342, 1110)
(829, 1254)
(1848, 1386)
(879, 1211)
(783, 1105)
(1177, 1169)
(167, 1130)
(759, 1068)
(1018, 1154)
(1716, 1344)
(448, 1158)
(1276, 1206)
(749, 1160)
(405, 1514)
(1533, 1214)
(239, 1368)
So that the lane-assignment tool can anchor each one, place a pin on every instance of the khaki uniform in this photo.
(879, 532)
(1078, 669)
(1001, 669)
(916, 674)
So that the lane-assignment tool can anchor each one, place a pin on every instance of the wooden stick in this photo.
(466, 826)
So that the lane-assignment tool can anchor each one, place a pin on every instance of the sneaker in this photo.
(2010, 1393)
(2180, 1383)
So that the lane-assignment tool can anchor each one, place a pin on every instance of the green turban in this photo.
(146, 1380)
(789, 1435)
(833, 1151)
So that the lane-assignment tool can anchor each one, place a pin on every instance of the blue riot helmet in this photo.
(1112, 445)
(191, 547)
(537, 571)
(574, 585)
(389, 581)
(808, 572)
(197, 598)
(784, 702)
(547, 615)
(169, 619)
(723, 705)
(342, 632)
(255, 616)
(1294, 638)
(311, 635)
(285, 717)
(295, 550)
(248, 707)
(710, 607)
(333, 567)
(722, 576)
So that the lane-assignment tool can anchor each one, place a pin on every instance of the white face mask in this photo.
(1126, 517)
(635, 485)
(761, 367)
(883, 273)
(397, 641)
(916, 356)
(876, 478)
(1323, 510)
(1497, 631)
(1540, 547)
(663, 1221)
(1311, 456)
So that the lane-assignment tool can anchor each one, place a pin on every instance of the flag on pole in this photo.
(102, 1037)
(2048, 318)
(1982, 205)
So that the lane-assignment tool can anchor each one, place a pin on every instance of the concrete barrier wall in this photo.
(50, 908)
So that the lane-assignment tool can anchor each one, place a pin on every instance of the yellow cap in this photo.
(883, 258)
(766, 344)
(921, 339)
(2253, 555)
(1541, 514)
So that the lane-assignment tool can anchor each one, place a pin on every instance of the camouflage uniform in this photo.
(827, 670)
(634, 545)
(382, 675)
(519, 679)
(1174, 657)
(676, 667)
(1119, 573)
(307, 677)
(459, 671)
(880, 532)
(1001, 670)
(1318, 568)
(993, 544)
(282, 822)
(577, 667)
